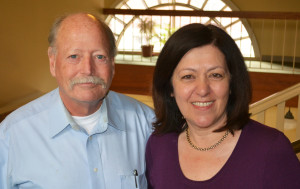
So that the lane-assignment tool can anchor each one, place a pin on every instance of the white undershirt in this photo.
(88, 122)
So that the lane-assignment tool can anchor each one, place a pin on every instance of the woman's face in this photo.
(201, 87)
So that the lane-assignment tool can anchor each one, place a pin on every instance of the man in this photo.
(81, 135)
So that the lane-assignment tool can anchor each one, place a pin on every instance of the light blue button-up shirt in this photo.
(42, 147)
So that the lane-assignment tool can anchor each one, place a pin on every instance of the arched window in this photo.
(127, 27)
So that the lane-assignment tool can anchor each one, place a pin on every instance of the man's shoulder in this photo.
(31, 108)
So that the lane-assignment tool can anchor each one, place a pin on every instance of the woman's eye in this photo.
(187, 77)
(217, 75)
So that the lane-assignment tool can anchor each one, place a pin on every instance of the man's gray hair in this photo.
(109, 34)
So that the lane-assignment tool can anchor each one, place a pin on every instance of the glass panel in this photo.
(181, 21)
(227, 9)
(244, 31)
(246, 47)
(197, 3)
(182, 8)
(182, 1)
(224, 21)
(131, 39)
(124, 18)
(204, 20)
(116, 26)
(235, 30)
(214, 5)
(165, 1)
(136, 4)
(195, 19)
(213, 23)
(165, 8)
(124, 7)
(151, 3)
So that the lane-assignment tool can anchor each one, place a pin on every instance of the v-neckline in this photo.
(224, 168)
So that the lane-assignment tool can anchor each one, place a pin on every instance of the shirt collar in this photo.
(113, 111)
(61, 118)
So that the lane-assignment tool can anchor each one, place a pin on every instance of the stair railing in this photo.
(279, 99)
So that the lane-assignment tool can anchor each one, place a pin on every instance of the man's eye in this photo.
(73, 56)
(100, 57)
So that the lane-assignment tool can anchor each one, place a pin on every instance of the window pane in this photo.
(136, 4)
(182, 8)
(166, 1)
(151, 3)
(246, 47)
(131, 39)
(165, 8)
(224, 21)
(197, 3)
(227, 9)
(182, 1)
(214, 5)
(124, 18)
(116, 26)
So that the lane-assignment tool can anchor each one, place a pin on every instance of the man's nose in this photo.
(87, 65)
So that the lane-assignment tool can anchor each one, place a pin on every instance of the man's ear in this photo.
(52, 59)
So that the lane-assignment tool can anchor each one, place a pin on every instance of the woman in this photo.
(203, 135)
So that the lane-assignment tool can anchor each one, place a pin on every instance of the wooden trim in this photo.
(2, 116)
(239, 14)
(296, 146)
(137, 79)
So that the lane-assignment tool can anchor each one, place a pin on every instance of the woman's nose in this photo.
(202, 87)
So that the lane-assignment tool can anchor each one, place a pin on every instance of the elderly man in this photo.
(80, 135)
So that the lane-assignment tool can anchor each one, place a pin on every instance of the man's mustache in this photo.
(88, 79)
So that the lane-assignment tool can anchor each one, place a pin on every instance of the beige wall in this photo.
(24, 72)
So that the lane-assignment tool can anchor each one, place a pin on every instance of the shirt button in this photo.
(95, 169)
(90, 137)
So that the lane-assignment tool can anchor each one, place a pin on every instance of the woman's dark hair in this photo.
(168, 116)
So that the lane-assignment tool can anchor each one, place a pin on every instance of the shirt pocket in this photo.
(133, 182)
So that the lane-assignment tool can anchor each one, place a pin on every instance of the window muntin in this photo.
(129, 38)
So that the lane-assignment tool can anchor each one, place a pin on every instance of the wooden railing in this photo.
(239, 14)
(278, 100)
(296, 146)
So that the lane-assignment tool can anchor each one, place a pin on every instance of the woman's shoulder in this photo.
(259, 130)
(161, 142)
(264, 137)
(161, 149)
(159, 138)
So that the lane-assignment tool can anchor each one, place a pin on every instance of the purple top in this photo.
(262, 158)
